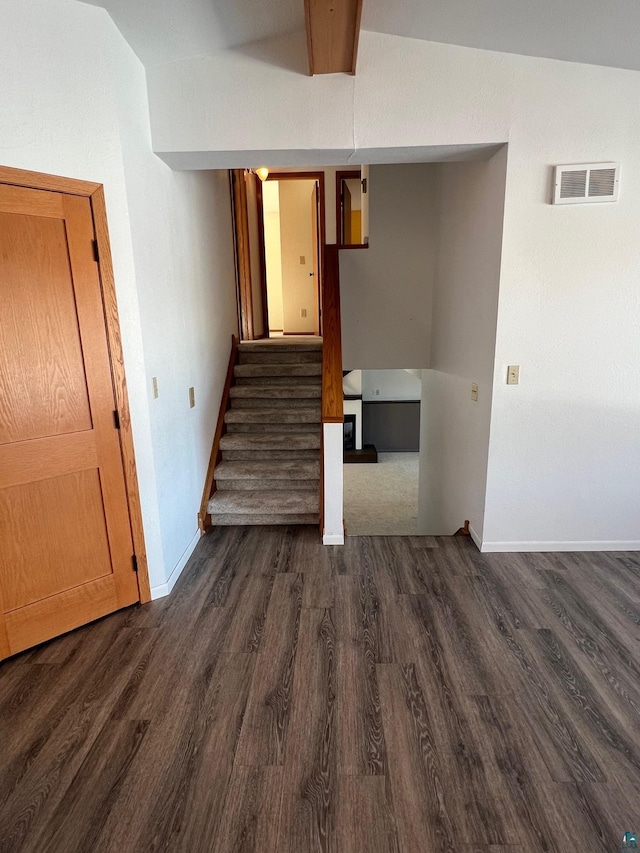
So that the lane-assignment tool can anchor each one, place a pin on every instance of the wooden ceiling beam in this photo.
(333, 27)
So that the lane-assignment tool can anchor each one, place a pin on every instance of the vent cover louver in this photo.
(588, 182)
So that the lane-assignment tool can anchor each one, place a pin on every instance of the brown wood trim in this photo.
(332, 35)
(340, 176)
(107, 280)
(299, 334)
(262, 259)
(294, 176)
(242, 253)
(332, 394)
(356, 42)
(204, 519)
(41, 181)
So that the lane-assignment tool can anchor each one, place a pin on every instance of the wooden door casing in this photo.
(65, 525)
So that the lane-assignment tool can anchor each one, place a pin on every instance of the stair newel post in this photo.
(332, 441)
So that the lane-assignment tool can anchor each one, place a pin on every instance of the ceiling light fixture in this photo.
(262, 173)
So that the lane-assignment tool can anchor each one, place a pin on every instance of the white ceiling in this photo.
(601, 32)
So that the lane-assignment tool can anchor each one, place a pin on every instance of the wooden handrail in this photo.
(204, 519)
(332, 395)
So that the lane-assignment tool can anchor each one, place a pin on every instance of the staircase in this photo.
(269, 471)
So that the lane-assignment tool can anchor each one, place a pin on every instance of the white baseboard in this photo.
(475, 537)
(515, 547)
(333, 539)
(165, 588)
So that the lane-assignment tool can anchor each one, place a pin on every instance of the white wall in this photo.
(454, 429)
(386, 289)
(380, 385)
(73, 103)
(273, 253)
(185, 279)
(297, 238)
(260, 101)
(564, 459)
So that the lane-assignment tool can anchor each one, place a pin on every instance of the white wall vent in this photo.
(586, 183)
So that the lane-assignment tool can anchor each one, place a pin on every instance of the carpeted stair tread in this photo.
(273, 416)
(282, 381)
(287, 469)
(263, 503)
(251, 454)
(288, 344)
(239, 520)
(296, 356)
(273, 370)
(275, 392)
(255, 428)
(270, 441)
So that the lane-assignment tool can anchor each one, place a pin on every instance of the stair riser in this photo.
(269, 369)
(256, 429)
(308, 415)
(271, 441)
(274, 403)
(261, 455)
(269, 392)
(278, 380)
(268, 485)
(236, 519)
(282, 345)
(313, 357)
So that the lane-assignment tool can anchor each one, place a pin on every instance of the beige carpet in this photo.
(382, 499)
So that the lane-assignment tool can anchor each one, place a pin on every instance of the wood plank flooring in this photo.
(396, 695)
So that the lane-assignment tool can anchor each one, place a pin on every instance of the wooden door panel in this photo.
(19, 200)
(64, 513)
(38, 622)
(44, 458)
(68, 513)
(41, 368)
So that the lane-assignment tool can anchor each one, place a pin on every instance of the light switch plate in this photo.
(192, 397)
(513, 374)
(154, 387)
(474, 392)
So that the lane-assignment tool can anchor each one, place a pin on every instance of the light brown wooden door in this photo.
(65, 535)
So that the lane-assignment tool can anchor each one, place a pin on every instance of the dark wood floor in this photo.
(397, 694)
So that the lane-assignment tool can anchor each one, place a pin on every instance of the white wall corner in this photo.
(333, 442)
(475, 536)
(165, 588)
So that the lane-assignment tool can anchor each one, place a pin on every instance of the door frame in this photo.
(297, 176)
(340, 176)
(95, 193)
